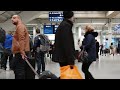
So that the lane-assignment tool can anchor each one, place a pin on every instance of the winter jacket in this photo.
(89, 44)
(64, 50)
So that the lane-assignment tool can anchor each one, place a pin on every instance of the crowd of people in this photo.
(18, 46)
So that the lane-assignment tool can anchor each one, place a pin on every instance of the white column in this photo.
(34, 33)
(110, 32)
(74, 35)
(79, 32)
(101, 38)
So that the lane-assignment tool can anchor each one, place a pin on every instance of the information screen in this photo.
(55, 28)
(117, 27)
(56, 16)
(48, 29)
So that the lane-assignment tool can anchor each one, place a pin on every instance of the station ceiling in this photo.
(5, 15)
(98, 18)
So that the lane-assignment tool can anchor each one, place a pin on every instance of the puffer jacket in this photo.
(89, 44)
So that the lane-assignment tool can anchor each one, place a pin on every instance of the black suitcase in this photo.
(44, 75)
(30, 74)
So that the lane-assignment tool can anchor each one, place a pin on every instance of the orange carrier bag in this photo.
(67, 73)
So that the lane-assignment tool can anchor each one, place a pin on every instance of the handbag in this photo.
(67, 73)
(83, 56)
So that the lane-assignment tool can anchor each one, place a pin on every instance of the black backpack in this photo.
(2, 35)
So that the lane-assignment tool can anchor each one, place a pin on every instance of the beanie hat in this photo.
(68, 14)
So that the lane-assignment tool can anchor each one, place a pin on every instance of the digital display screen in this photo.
(117, 27)
(55, 28)
(56, 16)
(48, 29)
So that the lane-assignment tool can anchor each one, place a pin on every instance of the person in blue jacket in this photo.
(7, 50)
(89, 44)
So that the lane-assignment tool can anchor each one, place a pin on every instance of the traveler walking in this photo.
(97, 50)
(89, 45)
(64, 50)
(7, 51)
(39, 55)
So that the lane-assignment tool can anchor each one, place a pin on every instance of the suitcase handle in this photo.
(26, 59)
(40, 76)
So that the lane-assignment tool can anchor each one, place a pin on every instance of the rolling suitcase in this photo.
(44, 75)
(30, 74)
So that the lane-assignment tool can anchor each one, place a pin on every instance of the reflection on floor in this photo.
(107, 67)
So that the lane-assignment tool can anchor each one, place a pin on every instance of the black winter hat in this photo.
(68, 14)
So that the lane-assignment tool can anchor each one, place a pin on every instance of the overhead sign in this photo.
(55, 28)
(56, 16)
(117, 27)
(48, 29)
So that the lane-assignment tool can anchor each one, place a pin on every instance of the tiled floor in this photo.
(108, 67)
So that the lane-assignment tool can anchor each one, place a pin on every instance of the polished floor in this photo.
(107, 67)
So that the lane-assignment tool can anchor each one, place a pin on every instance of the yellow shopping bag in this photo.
(67, 73)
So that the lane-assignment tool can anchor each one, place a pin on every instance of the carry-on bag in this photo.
(29, 73)
(44, 75)
(67, 73)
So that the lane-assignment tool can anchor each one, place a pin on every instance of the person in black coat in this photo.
(64, 50)
(97, 49)
(119, 47)
(89, 44)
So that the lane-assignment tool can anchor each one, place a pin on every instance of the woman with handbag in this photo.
(89, 45)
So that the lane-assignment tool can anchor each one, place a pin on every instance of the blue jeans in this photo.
(40, 61)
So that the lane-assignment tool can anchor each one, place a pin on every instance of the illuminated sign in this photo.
(48, 29)
(117, 27)
(55, 28)
(56, 16)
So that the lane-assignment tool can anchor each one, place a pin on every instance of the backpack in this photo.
(45, 43)
(2, 35)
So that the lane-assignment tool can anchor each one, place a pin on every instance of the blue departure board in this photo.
(48, 29)
(56, 16)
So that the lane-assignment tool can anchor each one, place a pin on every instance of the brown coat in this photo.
(20, 42)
